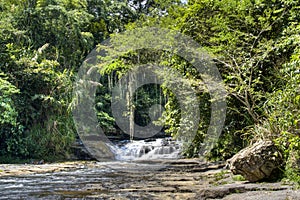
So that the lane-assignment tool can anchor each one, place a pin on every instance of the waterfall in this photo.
(150, 149)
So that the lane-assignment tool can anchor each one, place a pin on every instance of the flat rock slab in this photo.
(24, 169)
(240, 189)
(177, 179)
(265, 195)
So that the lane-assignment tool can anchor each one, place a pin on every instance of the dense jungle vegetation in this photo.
(254, 43)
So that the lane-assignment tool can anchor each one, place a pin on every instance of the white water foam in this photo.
(165, 148)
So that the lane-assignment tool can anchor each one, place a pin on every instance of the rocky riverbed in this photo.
(171, 179)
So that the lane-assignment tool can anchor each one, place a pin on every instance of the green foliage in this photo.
(8, 112)
(145, 97)
(220, 175)
(51, 139)
(11, 135)
(41, 43)
(103, 105)
(254, 44)
(63, 26)
(238, 178)
(283, 110)
(244, 37)
(243, 49)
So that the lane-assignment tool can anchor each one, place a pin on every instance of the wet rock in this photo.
(79, 152)
(257, 162)
(144, 150)
(267, 195)
(97, 148)
(245, 191)
(150, 140)
(131, 180)
(220, 192)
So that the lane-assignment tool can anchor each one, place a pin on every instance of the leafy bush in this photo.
(11, 132)
(53, 139)
(283, 109)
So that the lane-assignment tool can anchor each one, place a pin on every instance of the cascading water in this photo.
(161, 148)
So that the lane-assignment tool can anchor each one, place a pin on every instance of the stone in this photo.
(259, 161)
(79, 152)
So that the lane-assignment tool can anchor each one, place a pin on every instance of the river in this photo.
(100, 180)
(144, 170)
(157, 179)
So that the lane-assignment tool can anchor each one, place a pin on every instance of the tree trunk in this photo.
(131, 107)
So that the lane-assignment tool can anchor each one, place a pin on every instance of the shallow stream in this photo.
(138, 164)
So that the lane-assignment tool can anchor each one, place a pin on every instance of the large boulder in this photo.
(259, 161)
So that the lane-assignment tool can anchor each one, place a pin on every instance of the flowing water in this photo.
(99, 180)
(152, 149)
(139, 163)
(138, 179)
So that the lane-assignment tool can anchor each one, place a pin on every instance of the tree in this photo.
(42, 43)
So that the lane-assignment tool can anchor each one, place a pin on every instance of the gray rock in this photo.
(257, 162)
(265, 195)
